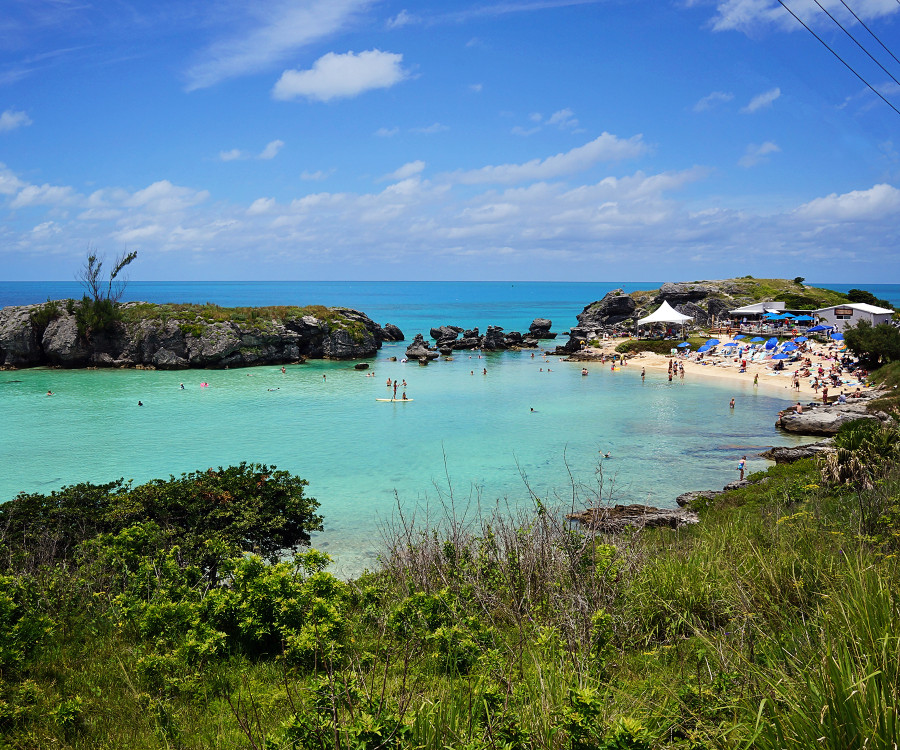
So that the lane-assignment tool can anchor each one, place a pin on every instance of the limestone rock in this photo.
(493, 339)
(615, 307)
(418, 349)
(620, 517)
(785, 454)
(392, 333)
(540, 329)
(823, 420)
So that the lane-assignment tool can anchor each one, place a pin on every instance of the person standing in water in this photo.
(741, 465)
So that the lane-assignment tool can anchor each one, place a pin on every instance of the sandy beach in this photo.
(728, 369)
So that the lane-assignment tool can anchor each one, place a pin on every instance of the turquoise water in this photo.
(470, 434)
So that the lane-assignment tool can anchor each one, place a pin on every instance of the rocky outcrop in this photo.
(620, 517)
(418, 349)
(392, 333)
(540, 329)
(823, 420)
(787, 454)
(164, 341)
(493, 339)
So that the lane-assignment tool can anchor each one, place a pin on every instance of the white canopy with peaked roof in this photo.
(665, 314)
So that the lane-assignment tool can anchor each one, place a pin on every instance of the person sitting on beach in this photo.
(842, 399)
(798, 408)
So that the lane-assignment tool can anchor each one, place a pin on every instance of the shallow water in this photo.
(472, 434)
(464, 431)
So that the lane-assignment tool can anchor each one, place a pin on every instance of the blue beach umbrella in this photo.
(837, 336)
(739, 336)
(803, 318)
(756, 339)
(684, 344)
(712, 342)
(816, 329)
(801, 339)
(789, 347)
(788, 316)
(732, 343)
(704, 348)
(772, 343)
(781, 356)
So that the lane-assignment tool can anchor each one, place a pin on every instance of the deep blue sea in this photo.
(530, 425)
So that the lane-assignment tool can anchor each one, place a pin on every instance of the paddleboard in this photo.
(395, 400)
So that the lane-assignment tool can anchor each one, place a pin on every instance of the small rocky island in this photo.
(139, 334)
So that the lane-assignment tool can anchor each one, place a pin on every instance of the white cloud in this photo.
(271, 150)
(12, 119)
(756, 154)
(858, 205)
(519, 130)
(430, 129)
(9, 182)
(605, 147)
(335, 76)
(164, 197)
(407, 170)
(711, 100)
(316, 176)
(261, 206)
(276, 29)
(476, 87)
(760, 101)
(43, 195)
(564, 119)
(387, 132)
(232, 155)
(754, 16)
(403, 18)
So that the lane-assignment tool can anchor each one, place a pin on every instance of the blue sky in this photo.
(560, 140)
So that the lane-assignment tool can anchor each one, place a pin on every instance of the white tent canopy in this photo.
(665, 314)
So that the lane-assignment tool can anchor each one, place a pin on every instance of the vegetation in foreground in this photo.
(159, 616)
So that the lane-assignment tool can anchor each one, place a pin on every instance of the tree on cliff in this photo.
(91, 277)
(98, 309)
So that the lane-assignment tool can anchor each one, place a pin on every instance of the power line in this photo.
(863, 24)
(841, 27)
(845, 63)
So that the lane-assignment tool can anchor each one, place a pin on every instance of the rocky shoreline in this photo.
(49, 335)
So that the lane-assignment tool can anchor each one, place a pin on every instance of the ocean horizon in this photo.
(467, 437)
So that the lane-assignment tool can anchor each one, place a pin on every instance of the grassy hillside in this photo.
(747, 290)
(771, 624)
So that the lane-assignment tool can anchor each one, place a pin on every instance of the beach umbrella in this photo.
(837, 336)
(772, 343)
(756, 339)
(781, 356)
(712, 342)
(704, 348)
(788, 316)
(739, 336)
(789, 347)
(803, 318)
(801, 339)
(815, 329)
(684, 344)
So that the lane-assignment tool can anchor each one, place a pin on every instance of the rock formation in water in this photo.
(185, 336)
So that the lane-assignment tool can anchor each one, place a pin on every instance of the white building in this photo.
(759, 308)
(844, 316)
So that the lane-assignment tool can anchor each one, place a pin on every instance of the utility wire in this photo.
(841, 27)
(846, 64)
(862, 23)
